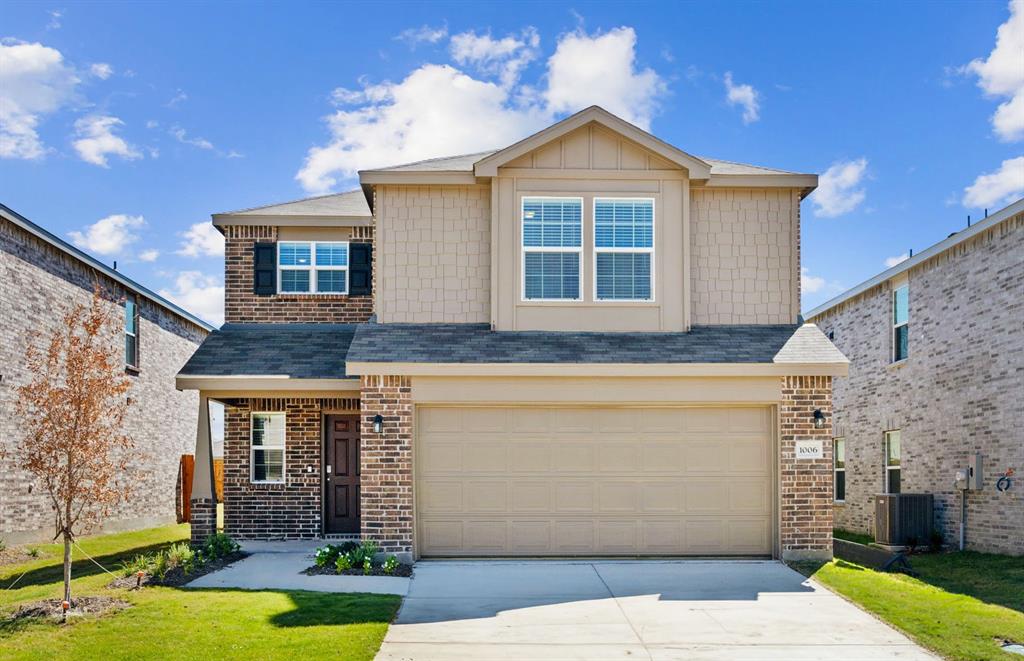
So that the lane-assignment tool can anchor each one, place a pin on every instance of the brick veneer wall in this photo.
(805, 490)
(241, 305)
(386, 482)
(292, 510)
(959, 392)
(40, 283)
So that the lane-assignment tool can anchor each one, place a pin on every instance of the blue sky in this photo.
(124, 126)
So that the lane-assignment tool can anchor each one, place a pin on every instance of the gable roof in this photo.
(348, 208)
(488, 166)
(90, 261)
(942, 246)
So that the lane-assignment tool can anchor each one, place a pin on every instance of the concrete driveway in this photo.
(631, 610)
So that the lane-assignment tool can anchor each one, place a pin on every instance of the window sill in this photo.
(581, 303)
(132, 371)
(839, 503)
(898, 364)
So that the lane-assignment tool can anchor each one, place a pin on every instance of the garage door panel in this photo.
(585, 481)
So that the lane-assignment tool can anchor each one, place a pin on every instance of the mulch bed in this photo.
(15, 555)
(402, 571)
(176, 577)
(51, 608)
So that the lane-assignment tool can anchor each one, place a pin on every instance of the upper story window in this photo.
(623, 249)
(839, 468)
(266, 448)
(892, 461)
(552, 248)
(312, 267)
(900, 323)
(131, 331)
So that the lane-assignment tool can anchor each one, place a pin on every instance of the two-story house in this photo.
(585, 343)
(936, 348)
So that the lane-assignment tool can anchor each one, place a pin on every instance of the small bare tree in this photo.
(71, 413)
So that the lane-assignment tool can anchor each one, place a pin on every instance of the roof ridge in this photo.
(279, 204)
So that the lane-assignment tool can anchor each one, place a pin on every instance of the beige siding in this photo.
(594, 481)
(433, 255)
(745, 260)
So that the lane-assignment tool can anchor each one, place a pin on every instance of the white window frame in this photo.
(885, 460)
(836, 470)
(313, 268)
(895, 326)
(560, 249)
(282, 447)
(134, 299)
(650, 251)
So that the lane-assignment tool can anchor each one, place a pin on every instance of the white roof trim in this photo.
(907, 264)
(838, 368)
(488, 166)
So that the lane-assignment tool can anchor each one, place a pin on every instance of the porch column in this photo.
(204, 502)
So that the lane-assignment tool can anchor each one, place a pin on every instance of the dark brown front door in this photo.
(341, 474)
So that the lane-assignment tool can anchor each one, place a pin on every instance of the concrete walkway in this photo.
(631, 609)
(279, 565)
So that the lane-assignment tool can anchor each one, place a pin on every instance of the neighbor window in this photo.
(892, 461)
(267, 447)
(131, 331)
(623, 249)
(839, 467)
(318, 267)
(900, 326)
(552, 246)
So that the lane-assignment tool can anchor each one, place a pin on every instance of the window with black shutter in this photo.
(264, 269)
(360, 271)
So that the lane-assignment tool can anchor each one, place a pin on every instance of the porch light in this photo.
(378, 423)
(819, 419)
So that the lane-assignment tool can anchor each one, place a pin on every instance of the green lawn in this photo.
(959, 605)
(168, 623)
(850, 536)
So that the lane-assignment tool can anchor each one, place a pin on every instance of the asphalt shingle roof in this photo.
(350, 203)
(299, 351)
(476, 343)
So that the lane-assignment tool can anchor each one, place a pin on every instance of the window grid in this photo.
(623, 249)
(267, 448)
(892, 461)
(552, 230)
(900, 323)
(839, 468)
(312, 267)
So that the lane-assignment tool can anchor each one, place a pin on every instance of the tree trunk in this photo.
(67, 567)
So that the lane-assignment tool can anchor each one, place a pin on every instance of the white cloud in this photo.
(838, 191)
(179, 97)
(110, 235)
(810, 284)
(1003, 186)
(601, 69)
(505, 58)
(55, 16)
(200, 294)
(1002, 75)
(202, 240)
(101, 70)
(389, 123)
(182, 136)
(96, 140)
(149, 255)
(422, 35)
(745, 96)
(893, 261)
(34, 81)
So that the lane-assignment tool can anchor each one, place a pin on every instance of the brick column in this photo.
(386, 460)
(806, 484)
(203, 520)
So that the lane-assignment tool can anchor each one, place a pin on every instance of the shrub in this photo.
(33, 552)
(161, 565)
(367, 566)
(390, 565)
(3, 545)
(326, 555)
(219, 546)
(343, 563)
(136, 563)
(182, 555)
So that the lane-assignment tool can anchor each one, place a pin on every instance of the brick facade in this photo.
(805, 500)
(241, 305)
(957, 394)
(203, 520)
(40, 283)
(386, 482)
(292, 510)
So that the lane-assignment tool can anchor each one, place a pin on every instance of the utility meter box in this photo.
(975, 477)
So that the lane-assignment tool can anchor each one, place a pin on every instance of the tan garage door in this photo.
(593, 481)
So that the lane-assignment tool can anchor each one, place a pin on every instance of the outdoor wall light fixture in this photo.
(819, 419)
(378, 423)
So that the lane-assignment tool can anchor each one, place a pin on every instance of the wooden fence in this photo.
(186, 474)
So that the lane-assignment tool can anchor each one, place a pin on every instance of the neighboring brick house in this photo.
(43, 276)
(587, 343)
(936, 348)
